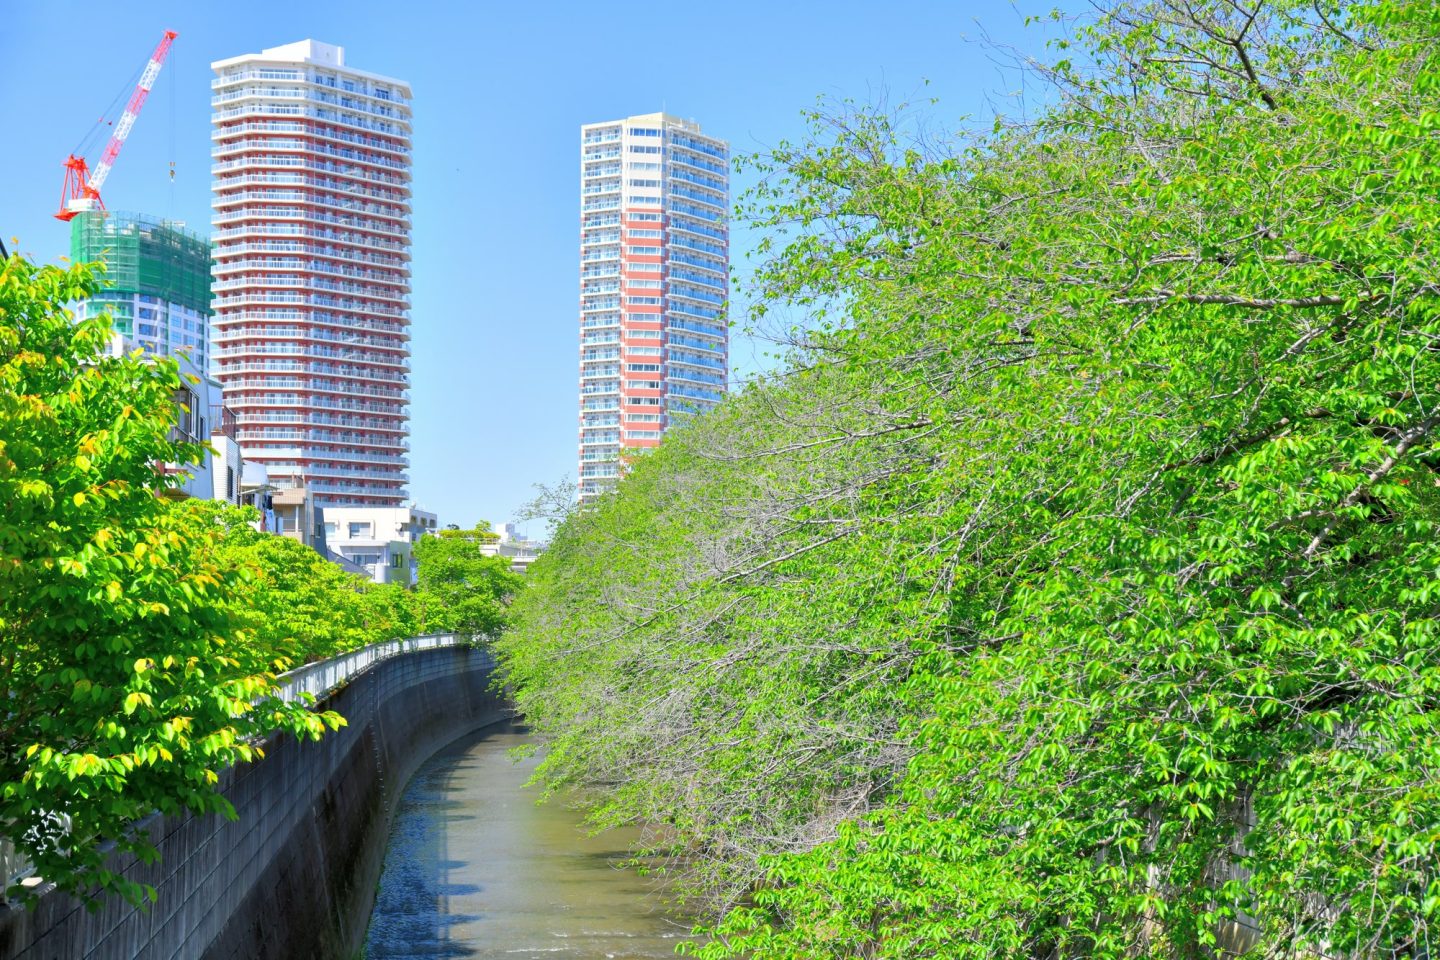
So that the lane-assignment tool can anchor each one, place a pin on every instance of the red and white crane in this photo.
(81, 190)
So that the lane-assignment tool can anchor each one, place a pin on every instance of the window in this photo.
(643, 367)
(644, 216)
(643, 132)
(644, 233)
(396, 559)
(360, 530)
(185, 420)
(230, 484)
(639, 149)
(332, 529)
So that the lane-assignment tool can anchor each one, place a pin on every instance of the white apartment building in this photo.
(312, 269)
(380, 539)
(654, 278)
(520, 551)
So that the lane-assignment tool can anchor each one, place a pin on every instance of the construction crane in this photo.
(81, 190)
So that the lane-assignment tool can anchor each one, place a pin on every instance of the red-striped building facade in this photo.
(311, 206)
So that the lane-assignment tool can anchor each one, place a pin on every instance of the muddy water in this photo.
(475, 869)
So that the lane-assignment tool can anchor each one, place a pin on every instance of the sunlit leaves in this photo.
(115, 617)
(1075, 591)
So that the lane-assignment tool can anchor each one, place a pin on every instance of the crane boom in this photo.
(81, 190)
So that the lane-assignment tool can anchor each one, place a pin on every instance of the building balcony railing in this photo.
(303, 215)
(222, 421)
(308, 128)
(676, 323)
(368, 291)
(240, 299)
(384, 364)
(227, 147)
(234, 333)
(315, 385)
(400, 129)
(311, 470)
(232, 256)
(388, 211)
(699, 163)
(297, 229)
(354, 170)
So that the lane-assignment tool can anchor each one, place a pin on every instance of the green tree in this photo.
(464, 590)
(296, 605)
(121, 663)
(1074, 590)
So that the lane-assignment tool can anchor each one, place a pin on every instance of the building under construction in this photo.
(157, 281)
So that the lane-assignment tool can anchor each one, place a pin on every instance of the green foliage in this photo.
(298, 606)
(1075, 591)
(124, 672)
(465, 590)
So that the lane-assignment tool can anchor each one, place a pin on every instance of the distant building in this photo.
(227, 466)
(511, 544)
(157, 282)
(312, 269)
(255, 491)
(297, 517)
(157, 293)
(654, 278)
(379, 539)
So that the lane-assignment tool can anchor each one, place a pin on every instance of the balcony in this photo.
(222, 422)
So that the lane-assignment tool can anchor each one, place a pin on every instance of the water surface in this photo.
(475, 869)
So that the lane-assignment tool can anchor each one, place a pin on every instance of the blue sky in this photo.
(500, 92)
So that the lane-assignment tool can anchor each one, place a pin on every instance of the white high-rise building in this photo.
(312, 276)
(654, 278)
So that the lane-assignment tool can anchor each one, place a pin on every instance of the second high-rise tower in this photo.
(654, 262)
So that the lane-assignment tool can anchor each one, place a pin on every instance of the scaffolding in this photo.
(145, 255)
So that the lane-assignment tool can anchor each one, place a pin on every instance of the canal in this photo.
(475, 869)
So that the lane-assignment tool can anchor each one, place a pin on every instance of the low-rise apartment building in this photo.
(380, 539)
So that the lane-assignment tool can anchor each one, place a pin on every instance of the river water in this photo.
(476, 869)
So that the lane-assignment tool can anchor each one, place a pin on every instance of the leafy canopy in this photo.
(1076, 590)
(466, 590)
(127, 677)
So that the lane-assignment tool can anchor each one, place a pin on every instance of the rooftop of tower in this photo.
(309, 51)
(665, 119)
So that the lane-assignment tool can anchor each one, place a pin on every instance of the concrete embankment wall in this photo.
(295, 875)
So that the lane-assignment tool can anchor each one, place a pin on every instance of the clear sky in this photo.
(500, 90)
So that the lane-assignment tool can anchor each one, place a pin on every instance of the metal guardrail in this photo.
(317, 679)
(320, 678)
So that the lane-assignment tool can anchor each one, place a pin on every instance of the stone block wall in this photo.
(295, 875)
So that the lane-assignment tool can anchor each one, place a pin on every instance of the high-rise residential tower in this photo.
(654, 261)
(312, 277)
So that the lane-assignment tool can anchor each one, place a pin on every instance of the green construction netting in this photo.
(145, 255)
